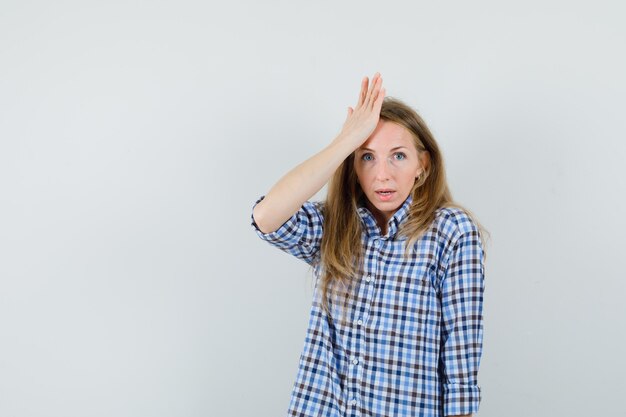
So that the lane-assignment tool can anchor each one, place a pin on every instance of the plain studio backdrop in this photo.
(136, 136)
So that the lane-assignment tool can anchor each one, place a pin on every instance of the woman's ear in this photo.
(420, 169)
(424, 160)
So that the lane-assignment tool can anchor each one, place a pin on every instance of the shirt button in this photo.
(368, 278)
(353, 401)
(359, 322)
(355, 360)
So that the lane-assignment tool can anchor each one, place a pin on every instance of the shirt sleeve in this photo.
(462, 291)
(300, 235)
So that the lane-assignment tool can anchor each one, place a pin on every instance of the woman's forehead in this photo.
(388, 136)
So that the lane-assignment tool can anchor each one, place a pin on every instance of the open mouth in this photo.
(385, 195)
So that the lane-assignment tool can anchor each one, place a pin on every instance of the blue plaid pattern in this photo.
(412, 343)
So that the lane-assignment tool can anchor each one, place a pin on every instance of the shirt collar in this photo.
(371, 227)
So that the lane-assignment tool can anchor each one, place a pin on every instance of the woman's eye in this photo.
(400, 156)
(367, 157)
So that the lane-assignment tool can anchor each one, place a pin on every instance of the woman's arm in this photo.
(306, 179)
(461, 292)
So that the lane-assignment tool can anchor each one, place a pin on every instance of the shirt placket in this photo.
(361, 315)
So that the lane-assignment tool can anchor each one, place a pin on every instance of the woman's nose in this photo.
(382, 171)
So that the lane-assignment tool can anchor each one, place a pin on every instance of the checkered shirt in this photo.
(414, 340)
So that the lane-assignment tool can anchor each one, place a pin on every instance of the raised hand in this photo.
(307, 178)
(363, 118)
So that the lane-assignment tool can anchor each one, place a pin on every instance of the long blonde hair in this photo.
(341, 247)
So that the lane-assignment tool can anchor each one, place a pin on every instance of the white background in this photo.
(136, 136)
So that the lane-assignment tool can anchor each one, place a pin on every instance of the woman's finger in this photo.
(374, 89)
(363, 94)
(378, 89)
(373, 83)
(379, 100)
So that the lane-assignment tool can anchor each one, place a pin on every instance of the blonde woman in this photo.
(396, 325)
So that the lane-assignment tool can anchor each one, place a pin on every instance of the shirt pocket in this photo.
(411, 300)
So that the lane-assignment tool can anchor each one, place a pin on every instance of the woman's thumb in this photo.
(350, 110)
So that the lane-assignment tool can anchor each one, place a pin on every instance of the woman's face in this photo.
(386, 166)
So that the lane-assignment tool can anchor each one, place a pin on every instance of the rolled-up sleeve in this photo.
(300, 235)
(462, 290)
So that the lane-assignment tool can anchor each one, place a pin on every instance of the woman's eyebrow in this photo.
(392, 149)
